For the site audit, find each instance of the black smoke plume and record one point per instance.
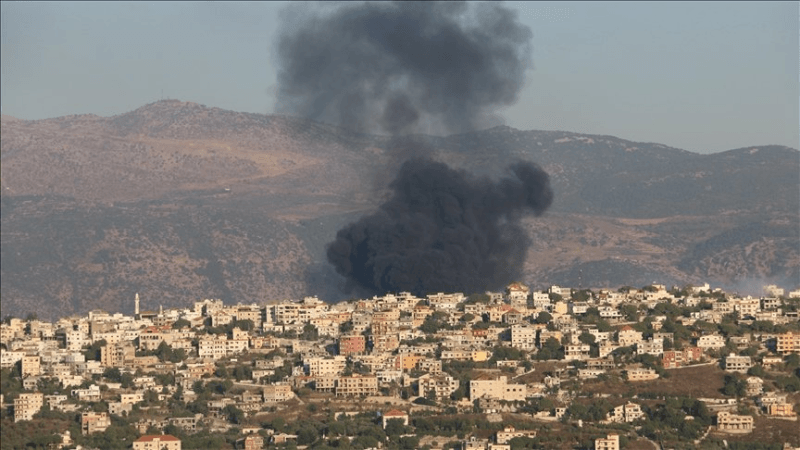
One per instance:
(442, 231)
(414, 67)
(401, 67)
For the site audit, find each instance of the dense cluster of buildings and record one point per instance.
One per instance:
(369, 346)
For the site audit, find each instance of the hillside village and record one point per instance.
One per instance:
(690, 367)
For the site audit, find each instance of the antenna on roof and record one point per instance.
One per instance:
(162, 94)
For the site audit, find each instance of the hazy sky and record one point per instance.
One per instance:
(705, 77)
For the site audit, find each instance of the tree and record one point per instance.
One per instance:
(112, 374)
(477, 298)
(310, 333)
(395, 427)
(181, 323)
(93, 352)
(630, 312)
(734, 386)
(551, 349)
(244, 325)
(233, 414)
(346, 327)
(543, 317)
(587, 338)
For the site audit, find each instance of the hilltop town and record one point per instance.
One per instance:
(690, 367)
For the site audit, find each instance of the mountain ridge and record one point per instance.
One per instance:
(188, 201)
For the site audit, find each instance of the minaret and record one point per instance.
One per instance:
(136, 305)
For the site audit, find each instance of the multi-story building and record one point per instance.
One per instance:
(357, 385)
(783, 409)
(788, 342)
(755, 386)
(326, 366)
(466, 354)
(117, 355)
(276, 393)
(629, 412)
(509, 432)
(610, 442)
(651, 346)
(747, 307)
(523, 337)
(441, 385)
(152, 337)
(131, 397)
(252, 313)
(384, 342)
(577, 352)
(212, 346)
(733, 423)
(710, 341)
(627, 336)
(94, 422)
(26, 405)
(352, 344)
(157, 442)
(735, 363)
(119, 408)
(252, 442)
(487, 386)
(443, 301)
(9, 358)
(75, 340)
(31, 366)
(92, 394)
(641, 374)
(678, 358)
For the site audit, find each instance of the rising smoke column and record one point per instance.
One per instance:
(401, 67)
(442, 231)
(406, 67)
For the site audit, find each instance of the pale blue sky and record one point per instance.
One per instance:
(702, 76)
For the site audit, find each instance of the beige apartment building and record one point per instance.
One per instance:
(787, 343)
(734, 423)
(277, 393)
(94, 422)
(641, 374)
(735, 363)
(780, 410)
(509, 432)
(441, 385)
(523, 337)
(357, 385)
(320, 367)
(31, 366)
(486, 386)
(157, 442)
(117, 355)
(629, 412)
(610, 442)
(212, 346)
(627, 336)
(26, 405)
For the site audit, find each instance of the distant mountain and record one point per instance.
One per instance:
(178, 201)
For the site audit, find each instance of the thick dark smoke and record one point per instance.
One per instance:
(402, 67)
(432, 67)
(442, 231)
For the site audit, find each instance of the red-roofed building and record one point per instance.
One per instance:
(394, 414)
(157, 442)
